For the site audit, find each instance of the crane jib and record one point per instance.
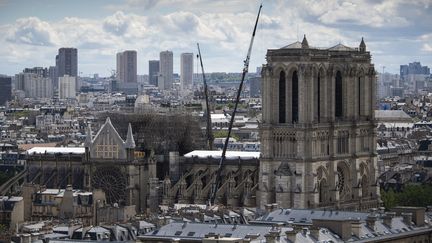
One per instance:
(245, 70)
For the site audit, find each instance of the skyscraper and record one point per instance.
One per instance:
(166, 69)
(153, 72)
(5, 89)
(186, 69)
(67, 62)
(127, 67)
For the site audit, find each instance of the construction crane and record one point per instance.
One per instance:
(210, 137)
(245, 71)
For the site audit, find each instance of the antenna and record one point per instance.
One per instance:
(245, 71)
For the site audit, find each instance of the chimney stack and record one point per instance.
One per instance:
(370, 221)
(291, 235)
(407, 218)
(387, 218)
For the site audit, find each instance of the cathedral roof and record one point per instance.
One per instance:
(216, 154)
(107, 126)
(340, 47)
(295, 45)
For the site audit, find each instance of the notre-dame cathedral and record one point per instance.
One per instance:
(318, 147)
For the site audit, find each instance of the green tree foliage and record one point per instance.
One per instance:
(224, 134)
(389, 198)
(412, 195)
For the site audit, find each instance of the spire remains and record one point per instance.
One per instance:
(305, 43)
(130, 142)
(362, 47)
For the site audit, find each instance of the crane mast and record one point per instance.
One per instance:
(210, 137)
(245, 71)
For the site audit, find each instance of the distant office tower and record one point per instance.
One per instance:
(186, 69)
(52, 74)
(67, 62)
(255, 86)
(37, 70)
(413, 68)
(67, 87)
(5, 89)
(19, 81)
(166, 69)
(127, 67)
(153, 72)
(34, 85)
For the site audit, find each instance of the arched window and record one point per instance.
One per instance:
(323, 190)
(282, 97)
(338, 95)
(295, 97)
(359, 100)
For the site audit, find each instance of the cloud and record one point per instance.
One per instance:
(223, 30)
(117, 23)
(427, 47)
(134, 4)
(32, 31)
(355, 12)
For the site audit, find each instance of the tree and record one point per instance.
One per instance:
(389, 199)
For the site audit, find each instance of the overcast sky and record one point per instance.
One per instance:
(395, 31)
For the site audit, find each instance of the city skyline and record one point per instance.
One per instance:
(395, 32)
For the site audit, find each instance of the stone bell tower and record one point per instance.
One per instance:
(318, 139)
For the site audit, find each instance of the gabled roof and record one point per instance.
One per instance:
(295, 45)
(340, 47)
(106, 126)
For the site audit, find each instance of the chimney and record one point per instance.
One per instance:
(291, 235)
(356, 227)
(418, 214)
(387, 218)
(407, 218)
(268, 208)
(314, 232)
(341, 227)
(270, 238)
(370, 221)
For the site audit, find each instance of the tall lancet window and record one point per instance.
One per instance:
(282, 97)
(295, 97)
(318, 97)
(338, 95)
(360, 97)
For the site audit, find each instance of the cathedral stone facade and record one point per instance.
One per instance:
(318, 145)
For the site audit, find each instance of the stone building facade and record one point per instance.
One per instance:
(106, 162)
(318, 143)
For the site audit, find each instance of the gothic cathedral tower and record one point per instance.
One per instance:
(318, 139)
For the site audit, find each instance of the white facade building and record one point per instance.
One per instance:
(67, 87)
(36, 86)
